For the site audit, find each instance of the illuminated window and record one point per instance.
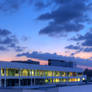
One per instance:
(63, 80)
(24, 72)
(57, 73)
(50, 73)
(73, 80)
(54, 73)
(2, 72)
(41, 73)
(57, 80)
(33, 73)
(54, 80)
(46, 80)
(36, 72)
(63, 74)
(70, 74)
(46, 73)
(78, 79)
(70, 80)
(83, 78)
(51, 80)
(12, 72)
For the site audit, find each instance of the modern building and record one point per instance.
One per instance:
(27, 62)
(25, 75)
(62, 63)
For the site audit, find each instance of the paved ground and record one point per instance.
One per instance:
(82, 88)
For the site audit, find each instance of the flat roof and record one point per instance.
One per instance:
(39, 67)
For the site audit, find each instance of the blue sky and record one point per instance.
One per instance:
(49, 26)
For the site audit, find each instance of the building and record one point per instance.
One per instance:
(24, 75)
(62, 63)
(27, 62)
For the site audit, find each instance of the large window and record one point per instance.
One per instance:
(80, 74)
(40, 73)
(12, 72)
(74, 74)
(2, 72)
(25, 72)
(63, 74)
(56, 73)
(50, 73)
(63, 80)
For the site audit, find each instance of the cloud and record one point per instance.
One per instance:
(7, 38)
(40, 5)
(42, 56)
(78, 49)
(85, 40)
(8, 41)
(72, 47)
(68, 17)
(88, 50)
(2, 48)
(15, 5)
(19, 48)
(46, 56)
(10, 5)
(4, 32)
(84, 43)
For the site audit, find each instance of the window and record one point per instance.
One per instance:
(12, 72)
(50, 73)
(2, 72)
(80, 74)
(70, 74)
(63, 74)
(25, 72)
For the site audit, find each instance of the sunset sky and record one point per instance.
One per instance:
(43, 29)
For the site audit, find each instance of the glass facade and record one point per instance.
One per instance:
(24, 72)
(46, 73)
(12, 72)
(61, 80)
(2, 72)
(41, 76)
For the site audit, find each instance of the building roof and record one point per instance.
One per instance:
(39, 67)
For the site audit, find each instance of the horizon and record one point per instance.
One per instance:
(46, 29)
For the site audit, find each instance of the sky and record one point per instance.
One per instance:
(46, 29)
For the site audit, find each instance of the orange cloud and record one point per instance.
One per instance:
(84, 55)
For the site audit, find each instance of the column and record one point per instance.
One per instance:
(5, 78)
(34, 81)
(19, 78)
(4, 83)
(0, 82)
(19, 83)
(31, 81)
